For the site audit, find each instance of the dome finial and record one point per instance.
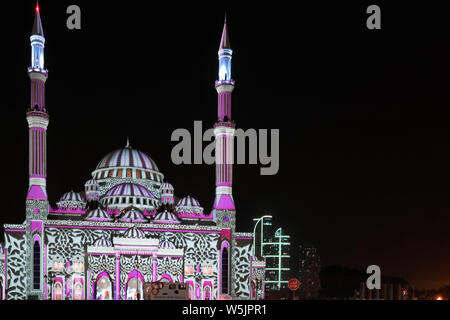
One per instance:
(128, 143)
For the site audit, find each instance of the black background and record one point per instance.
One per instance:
(363, 118)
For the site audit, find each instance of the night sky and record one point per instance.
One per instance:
(363, 115)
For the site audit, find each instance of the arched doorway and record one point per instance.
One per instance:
(78, 291)
(58, 291)
(135, 286)
(207, 293)
(103, 287)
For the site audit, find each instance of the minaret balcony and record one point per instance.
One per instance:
(221, 82)
(43, 71)
(221, 123)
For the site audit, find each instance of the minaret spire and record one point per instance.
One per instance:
(37, 25)
(225, 40)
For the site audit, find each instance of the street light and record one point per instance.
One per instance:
(254, 231)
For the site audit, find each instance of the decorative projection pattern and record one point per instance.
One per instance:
(129, 263)
(16, 260)
(66, 243)
(36, 209)
(171, 266)
(199, 249)
(100, 263)
(241, 258)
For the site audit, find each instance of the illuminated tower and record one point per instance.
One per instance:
(37, 200)
(37, 116)
(223, 208)
(224, 128)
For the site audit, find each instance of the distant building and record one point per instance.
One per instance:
(274, 246)
(309, 269)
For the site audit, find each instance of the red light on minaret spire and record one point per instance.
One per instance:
(37, 7)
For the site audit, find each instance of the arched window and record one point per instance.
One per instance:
(191, 292)
(58, 291)
(129, 173)
(36, 265)
(78, 291)
(103, 287)
(224, 283)
(207, 294)
(134, 289)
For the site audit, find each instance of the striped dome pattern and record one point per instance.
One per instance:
(134, 232)
(166, 186)
(71, 200)
(129, 189)
(188, 201)
(127, 157)
(132, 215)
(166, 217)
(103, 243)
(98, 215)
(71, 196)
(91, 182)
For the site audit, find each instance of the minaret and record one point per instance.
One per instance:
(37, 201)
(224, 211)
(224, 130)
(37, 116)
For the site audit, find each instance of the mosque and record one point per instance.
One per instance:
(127, 228)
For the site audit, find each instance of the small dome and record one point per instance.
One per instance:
(189, 205)
(98, 215)
(167, 193)
(71, 200)
(91, 182)
(166, 217)
(188, 201)
(134, 232)
(132, 215)
(103, 243)
(166, 244)
(91, 189)
(166, 186)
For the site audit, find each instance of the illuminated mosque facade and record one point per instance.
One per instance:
(126, 228)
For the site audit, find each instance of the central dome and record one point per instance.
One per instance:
(127, 165)
(127, 157)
